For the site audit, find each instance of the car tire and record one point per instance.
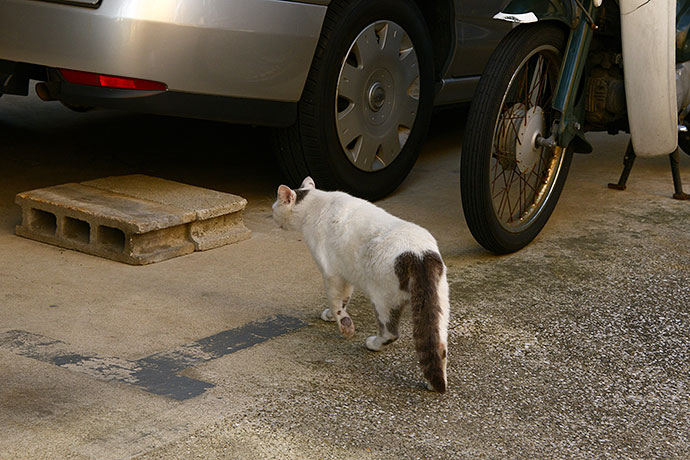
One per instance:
(367, 102)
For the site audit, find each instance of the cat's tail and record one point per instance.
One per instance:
(425, 277)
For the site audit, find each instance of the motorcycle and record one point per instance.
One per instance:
(566, 68)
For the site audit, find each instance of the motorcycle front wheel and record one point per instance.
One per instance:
(509, 183)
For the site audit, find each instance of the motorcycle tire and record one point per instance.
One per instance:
(367, 102)
(509, 184)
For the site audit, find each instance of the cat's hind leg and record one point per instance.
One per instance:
(326, 315)
(388, 320)
(338, 292)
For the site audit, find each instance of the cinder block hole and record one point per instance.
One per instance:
(113, 238)
(43, 222)
(77, 230)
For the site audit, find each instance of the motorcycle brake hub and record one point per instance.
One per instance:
(508, 130)
(527, 152)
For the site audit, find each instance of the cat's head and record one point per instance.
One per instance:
(284, 208)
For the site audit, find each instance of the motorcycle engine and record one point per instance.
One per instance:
(605, 92)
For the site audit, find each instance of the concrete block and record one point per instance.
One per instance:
(218, 218)
(203, 202)
(133, 219)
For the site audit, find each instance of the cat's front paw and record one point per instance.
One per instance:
(326, 315)
(347, 327)
(372, 343)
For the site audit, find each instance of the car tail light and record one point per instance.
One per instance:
(110, 81)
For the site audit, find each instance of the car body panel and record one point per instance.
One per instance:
(88, 3)
(238, 51)
(524, 11)
(478, 35)
(228, 48)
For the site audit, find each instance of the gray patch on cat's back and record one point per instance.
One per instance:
(402, 269)
(301, 193)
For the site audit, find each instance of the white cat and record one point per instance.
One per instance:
(395, 263)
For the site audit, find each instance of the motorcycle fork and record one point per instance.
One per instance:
(566, 100)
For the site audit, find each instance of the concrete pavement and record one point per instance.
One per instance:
(577, 347)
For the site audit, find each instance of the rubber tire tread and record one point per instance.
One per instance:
(474, 174)
(293, 140)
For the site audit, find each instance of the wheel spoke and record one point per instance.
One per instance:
(536, 83)
(522, 88)
(364, 153)
(515, 183)
(515, 130)
(542, 89)
(494, 175)
(524, 178)
(508, 184)
(391, 36)
(350, 83)
(390, 147)
(498, 191)
(349, 124)
(409, 67)
(367, 48)
(504, 197)
(512, 210)
(537, 171)
(523, 202)
(408, 111)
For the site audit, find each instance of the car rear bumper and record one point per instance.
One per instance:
(249, 49)
(259, 112)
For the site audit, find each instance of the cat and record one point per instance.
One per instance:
(394, 262)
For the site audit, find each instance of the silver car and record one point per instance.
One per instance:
(349, 85)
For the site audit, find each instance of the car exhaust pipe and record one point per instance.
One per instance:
(46, 91)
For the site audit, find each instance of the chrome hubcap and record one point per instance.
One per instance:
(377, 96)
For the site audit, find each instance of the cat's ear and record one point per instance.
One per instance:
(308, 182)
(286, 195)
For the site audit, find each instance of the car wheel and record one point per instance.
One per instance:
(367, 102)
